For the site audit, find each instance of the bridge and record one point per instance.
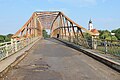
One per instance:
(66, 55)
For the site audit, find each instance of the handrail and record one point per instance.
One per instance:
(13, 46)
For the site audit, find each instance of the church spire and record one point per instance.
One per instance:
(90, 25)
(90, 21)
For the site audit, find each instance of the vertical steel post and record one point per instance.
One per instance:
(35, 25)
(64, 26)
(6, 48)
(16, 45)
(12, 45)
(77, 35)
(106, 50)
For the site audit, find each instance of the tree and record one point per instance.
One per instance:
(2, 38)
(117, 33)
(114, 38)
(87, 36)
(10, 36)
(5, 38)
(45, 35)
(105, 34)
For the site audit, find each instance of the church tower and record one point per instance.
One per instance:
(90, 25)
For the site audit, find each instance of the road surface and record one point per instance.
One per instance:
(53, 60)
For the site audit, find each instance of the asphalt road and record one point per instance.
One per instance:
(52, 60)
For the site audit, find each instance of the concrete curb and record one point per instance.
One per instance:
(106, 61)
(17, 60)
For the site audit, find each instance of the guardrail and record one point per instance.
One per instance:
(76, 40)
(108, 46)
(9, 48)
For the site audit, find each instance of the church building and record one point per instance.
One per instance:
(93, 30)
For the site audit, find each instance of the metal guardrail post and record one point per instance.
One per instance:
(6, 49)
(94, 42)
(16, 45)
(105, 43)
(12, 45)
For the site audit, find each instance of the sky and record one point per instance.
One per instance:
(105, 14)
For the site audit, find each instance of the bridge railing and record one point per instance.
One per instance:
(79, 40)
(107, 46)
(104, 46)
(11, 47)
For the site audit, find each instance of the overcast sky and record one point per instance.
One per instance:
(105, 14)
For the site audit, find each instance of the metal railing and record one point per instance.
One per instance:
(108, 46)
(9, 48)
(105, 46)
(79, 41)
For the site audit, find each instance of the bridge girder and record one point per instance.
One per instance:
(56, 21)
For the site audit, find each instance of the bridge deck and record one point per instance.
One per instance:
(52, 60)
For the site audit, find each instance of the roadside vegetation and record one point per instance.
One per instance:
(111, 38)
(45, 34)
(5, 38)
(105, 34)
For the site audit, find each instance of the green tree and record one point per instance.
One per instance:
(9, 36)
(45, 35)
(5, 38)
(87, 36)
(104, 34)
(2, 38)
(114, 38)
(117, 33)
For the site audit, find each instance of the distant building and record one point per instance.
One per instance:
(90, 28)
(90, 25)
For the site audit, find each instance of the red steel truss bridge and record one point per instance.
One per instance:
(66, 55)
